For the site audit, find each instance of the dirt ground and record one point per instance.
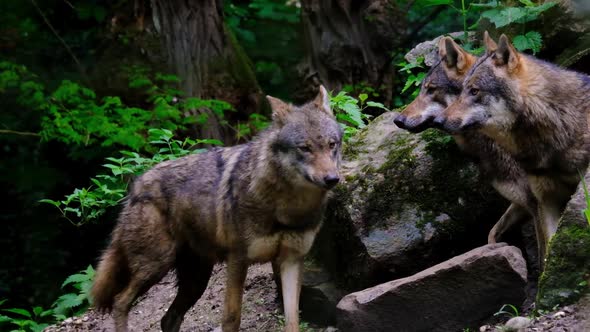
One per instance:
(260, 311)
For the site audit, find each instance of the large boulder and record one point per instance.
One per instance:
(450, 296)
(409, 201)
(567, 270)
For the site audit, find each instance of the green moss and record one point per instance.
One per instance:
(567, 269)
(437, 142)
(435, 192)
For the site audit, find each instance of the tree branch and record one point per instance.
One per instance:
(63, 42)
(21, 133)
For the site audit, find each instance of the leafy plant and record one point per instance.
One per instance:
(415, 72)
(349, 111)
(74, 114)
(502, 15)
(88, 204)
(586, 211)
(34, 320)
(77, 302)
(508, 309)
(69, 304)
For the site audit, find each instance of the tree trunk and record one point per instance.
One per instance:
(349, 42)
(204, 54)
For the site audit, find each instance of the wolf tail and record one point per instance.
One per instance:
(112, 276)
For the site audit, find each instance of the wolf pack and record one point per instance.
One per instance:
(523, 120)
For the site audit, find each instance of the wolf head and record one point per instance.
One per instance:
(308, 141)
(491, 91)
(441, 86)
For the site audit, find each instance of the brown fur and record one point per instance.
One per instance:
(256, 202)
(537, 112)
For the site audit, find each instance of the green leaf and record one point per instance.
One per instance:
(69, 300)
(501, 17)
(75, 278)
(19, 311)
(377, 105)
(49, 201)
(532, 40)
(426, 3)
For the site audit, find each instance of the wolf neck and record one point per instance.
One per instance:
(552, 111)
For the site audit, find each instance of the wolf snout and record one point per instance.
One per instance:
(331, 180)
(400, 121)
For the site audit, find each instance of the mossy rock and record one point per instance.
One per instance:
(567, 271)
(409, 201)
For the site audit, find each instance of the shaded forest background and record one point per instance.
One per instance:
(198, 68)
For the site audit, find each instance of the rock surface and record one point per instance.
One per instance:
(447, 297)
(409, 201)
(567, 272)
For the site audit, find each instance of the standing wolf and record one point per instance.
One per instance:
(537, 112)
(257, 202)
(441, 87)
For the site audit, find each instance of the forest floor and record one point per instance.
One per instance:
(261, 310)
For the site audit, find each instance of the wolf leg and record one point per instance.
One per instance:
(291, 268)
(513, 215)
(549, 215)
(236, 275)
(149, 252)
(192, 273)
(138, 284)
(276, 275)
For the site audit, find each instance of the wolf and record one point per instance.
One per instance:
(257, 202)
(441, 87)
(535, 111)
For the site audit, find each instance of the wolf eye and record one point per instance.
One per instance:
(332, 145)
(304, 148)
(473, 91)
(430, 90)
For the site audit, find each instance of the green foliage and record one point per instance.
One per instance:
(23, 320)
(69, 304)
(269, 32)
(508, 309)
(532, 40)
(349, 111)
(502, 15)
(586, 211)
(415, 73)
(108, 190)
(77, 302)
(74, 115)
(256, 123)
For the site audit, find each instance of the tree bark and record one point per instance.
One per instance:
(204, 54)
(349, 42)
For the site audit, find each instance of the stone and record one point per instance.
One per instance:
(407, 202)
(517, 324)
(454, 294)
(567, 267)
(429, 49)
(319, 296)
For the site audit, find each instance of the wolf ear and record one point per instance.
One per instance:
(322, 101)
(506, 54)
(280, 110)
(490, 44)
(455, 57)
